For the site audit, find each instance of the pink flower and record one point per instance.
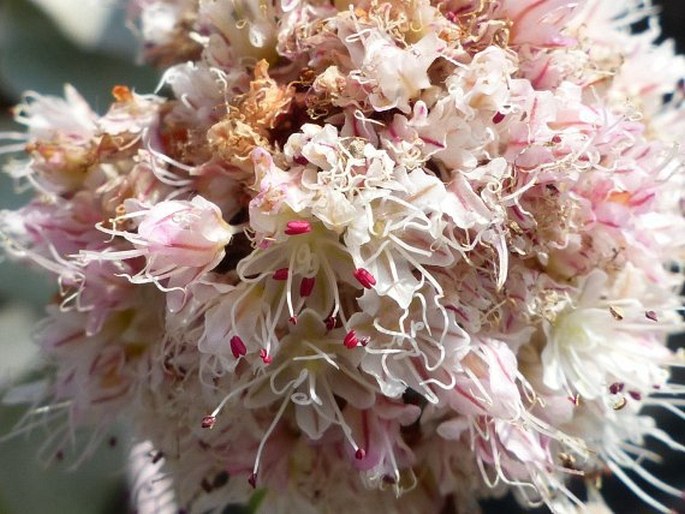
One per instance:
(180, 233)
(180, 240)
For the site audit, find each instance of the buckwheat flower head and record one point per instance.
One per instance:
(373, 256)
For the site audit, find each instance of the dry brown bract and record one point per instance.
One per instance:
(249, 120)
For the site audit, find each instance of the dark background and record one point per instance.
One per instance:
(673, 21)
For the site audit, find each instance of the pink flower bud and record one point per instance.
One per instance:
(182, 233)
(616, 387)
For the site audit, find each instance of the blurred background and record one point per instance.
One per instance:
(43, 45)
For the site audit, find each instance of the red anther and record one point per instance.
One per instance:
(497, 118)
(364, 341)
(360, 454)
(252, 480)
(620, 404)
(615, 313)
(351, 340)
(365, 278)
(299, 159)
(206, 486)
(266, 358)
(616, 387)
(238, 347)
(292, 320)
(208, 422)
(635, 395)
(651, 315)
(556, 139)
(330, 323)
(306, 286)
(294, 228)
(280, 274)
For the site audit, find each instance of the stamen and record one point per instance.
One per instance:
(266, 358)
(365, 278)
(253, 477)
(208, 422)
(306, 286)
(497, 118)
(360, 454)
(616, 387)
(618, 316)
(238, 347)
(651, 315)
(351, 340)
(637, 490)
(294, 228)
(280, 274)
(620, 403)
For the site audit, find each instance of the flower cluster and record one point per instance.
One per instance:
(372, 256)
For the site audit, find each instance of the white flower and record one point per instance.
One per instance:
(396, 75)
(596, 342)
